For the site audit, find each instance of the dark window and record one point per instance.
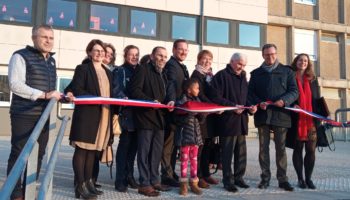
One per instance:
(16, 10)
(249, 35)
(4, 90)
(104, 18)
(184, 28)
(61, 13)
(217, 32)
(143, 23)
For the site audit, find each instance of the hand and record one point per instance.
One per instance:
(53, 94)
(263, 105)
(279, 103)
(253, 109)
(125, 98)
(70, 97)
(171, 103)
(238, 111)
(220, 112)
(296, 106)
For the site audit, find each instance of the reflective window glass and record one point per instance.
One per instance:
(184, 28)
(61, 13)
(143, 23)
(4, 90)
(305, 41)
(16, 10)
(63, 82)
(217, 32)
(310, 2)
(104, 18)
(249, 35)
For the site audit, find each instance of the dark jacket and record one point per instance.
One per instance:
(292, 133)
(272, 86)
(86, 118)
(230, 90)
(148, 84)
(41, 75)
(188, 130)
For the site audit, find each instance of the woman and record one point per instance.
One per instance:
(303, 131)
(109, 59)
(91, 124)
(204, 75)
(127, 147)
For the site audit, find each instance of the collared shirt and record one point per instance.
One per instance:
(17, 79)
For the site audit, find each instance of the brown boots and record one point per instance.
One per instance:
(193, 185)
(183, 187)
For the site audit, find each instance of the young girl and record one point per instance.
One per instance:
(188, 137)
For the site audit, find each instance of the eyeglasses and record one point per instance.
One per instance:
(269, 54)
(98, 51)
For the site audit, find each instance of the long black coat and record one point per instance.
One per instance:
(148, 84)
(86, 118)
(272, 86)
(293, 131)
(230, 90)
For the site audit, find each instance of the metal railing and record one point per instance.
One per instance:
(341, 130)
(29, 158)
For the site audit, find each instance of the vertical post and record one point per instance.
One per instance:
(30, 179)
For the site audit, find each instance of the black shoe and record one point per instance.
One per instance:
(241, 184)
(97, 185)
(230, 188)
(170, 182)
(162, 188)
(120, 187)
(301, 184)
(132, 183)
(263, 184)
(82, 190)
(310, 184)
(176, 177)
(286, 186)
(91, 187)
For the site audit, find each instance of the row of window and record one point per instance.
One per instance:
(123, 20)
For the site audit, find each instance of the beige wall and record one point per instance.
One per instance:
(347, 10)
(329, 11)
(278, 36)
(348, 60)
(277, 7)
(303, 11)
(329, 60)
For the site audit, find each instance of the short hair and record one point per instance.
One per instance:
(203, 53)
(188, 84)
(43, 26)
(155, 49)
(128, 48)
(238, 56)
(267, 46)
(176, 42)
(92, 43)
(309, 72)
(145, 59)
(109, 45)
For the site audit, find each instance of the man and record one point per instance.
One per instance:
(149, 83)
(32, 80)
(176, 73)
(272, 86)
(230, 88)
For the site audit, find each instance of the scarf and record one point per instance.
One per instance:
(269, 68)
(202, 70)
(305, 122)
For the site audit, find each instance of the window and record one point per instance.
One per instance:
(62, 83)
(104, 18)
(184, 28)
(16, 10)
(329, 38)
(217, 32)
(309, 2)
(4, 91)
(61, 13)
(305, 42)
(143, 23)
(249, 35)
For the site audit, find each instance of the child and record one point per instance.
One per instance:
(188, 137)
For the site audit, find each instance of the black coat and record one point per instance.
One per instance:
(272, 86)
(86, 118)
(230, 90)
(148, 84)
(292, 133)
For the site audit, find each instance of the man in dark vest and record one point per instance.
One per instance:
(32, 80)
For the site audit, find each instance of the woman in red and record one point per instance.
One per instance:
(303, 131)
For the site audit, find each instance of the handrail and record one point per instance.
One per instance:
(52, 162)
(22, 159)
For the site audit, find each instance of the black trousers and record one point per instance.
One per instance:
(203, 159)
(21, 129)
(149, 153)
(264, 152)
(125, 157)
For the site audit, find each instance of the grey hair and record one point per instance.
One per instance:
(43, 26)
(238, 56)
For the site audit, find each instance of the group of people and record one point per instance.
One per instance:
(157, 135)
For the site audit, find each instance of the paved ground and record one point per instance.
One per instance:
(331, 176)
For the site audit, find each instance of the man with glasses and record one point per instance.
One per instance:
(272, 86)
(176, 73)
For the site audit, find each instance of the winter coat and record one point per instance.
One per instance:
(265, 86)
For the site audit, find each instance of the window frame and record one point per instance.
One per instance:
(119, 7)
(128, 26)
(230, 31)
(261, 35)
(197, 30)
(31, 23)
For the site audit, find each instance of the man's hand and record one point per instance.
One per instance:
(279, 103)
(53, 94)
(238, 111)
(70, 97)
(171, 103)
(263, 105)
(253, 109)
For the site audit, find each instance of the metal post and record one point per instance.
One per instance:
(32, 173)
